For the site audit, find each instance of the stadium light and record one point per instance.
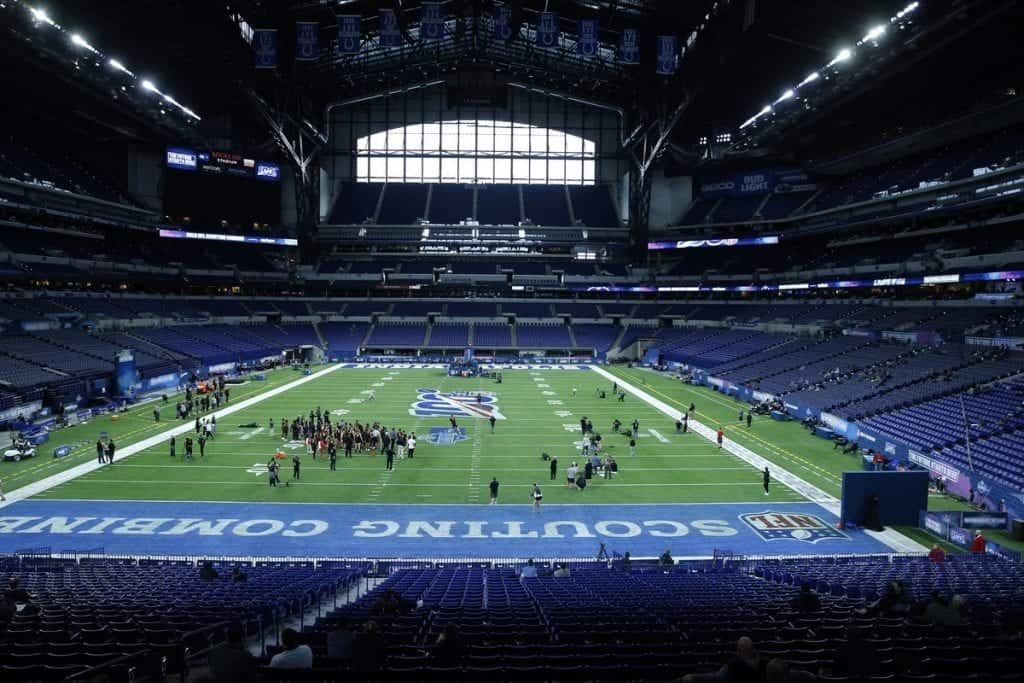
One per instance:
(81, 42)
(874, 34)
(788, 95)
(115, 64)
(811, 77)
(41, 16)
(907, 10)
(767, 109)
(148, 86)
(844, 55)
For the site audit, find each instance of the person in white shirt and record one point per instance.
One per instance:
(529, 571)
(294, 656)
(570, 475)
(412, 445)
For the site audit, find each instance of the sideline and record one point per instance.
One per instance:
(85, 468)
(895, 540)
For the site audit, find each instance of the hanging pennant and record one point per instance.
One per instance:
(350, 33)
(264, 48)
(432, 21)
(629, 46)
(390, 34)
(307, 41)
(586, 40)
(547, 30)
(668, 51)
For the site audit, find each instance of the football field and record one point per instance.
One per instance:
(680, 490)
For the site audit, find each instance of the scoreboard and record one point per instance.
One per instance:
(221, 163)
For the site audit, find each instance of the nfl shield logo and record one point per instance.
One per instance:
(791, 526)
(435, 403)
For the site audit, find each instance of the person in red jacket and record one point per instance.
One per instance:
(978, 544)
(721, 434)
(937, 554)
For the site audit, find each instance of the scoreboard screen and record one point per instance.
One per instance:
(209, 187)
(221, 163)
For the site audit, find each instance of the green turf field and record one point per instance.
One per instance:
(542, 415)
(669, 467)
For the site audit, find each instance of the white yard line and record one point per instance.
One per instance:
(307, 502)
(893, 539)
(474, 463)
(657, 435)
(388, 483)
(85, 468)
(352, 468)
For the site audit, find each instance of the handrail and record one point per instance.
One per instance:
(134, 657)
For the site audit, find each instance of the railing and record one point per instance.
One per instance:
(138, 666)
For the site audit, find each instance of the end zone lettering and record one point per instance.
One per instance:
(162, 526)
(658, 528)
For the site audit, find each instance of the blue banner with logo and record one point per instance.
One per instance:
(502, 22)
(126, 373)
(432, 22)
(586, 42)
(668, 50)
(629, 46)
(307, 41)
(350, 33)
(547, 30)
(264, 48)
(390, 34)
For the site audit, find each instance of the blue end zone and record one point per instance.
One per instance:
(413, 531)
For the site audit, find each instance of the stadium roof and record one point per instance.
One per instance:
(748, 52)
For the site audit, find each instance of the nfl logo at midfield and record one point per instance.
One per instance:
(791, 526)
(435, 403)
